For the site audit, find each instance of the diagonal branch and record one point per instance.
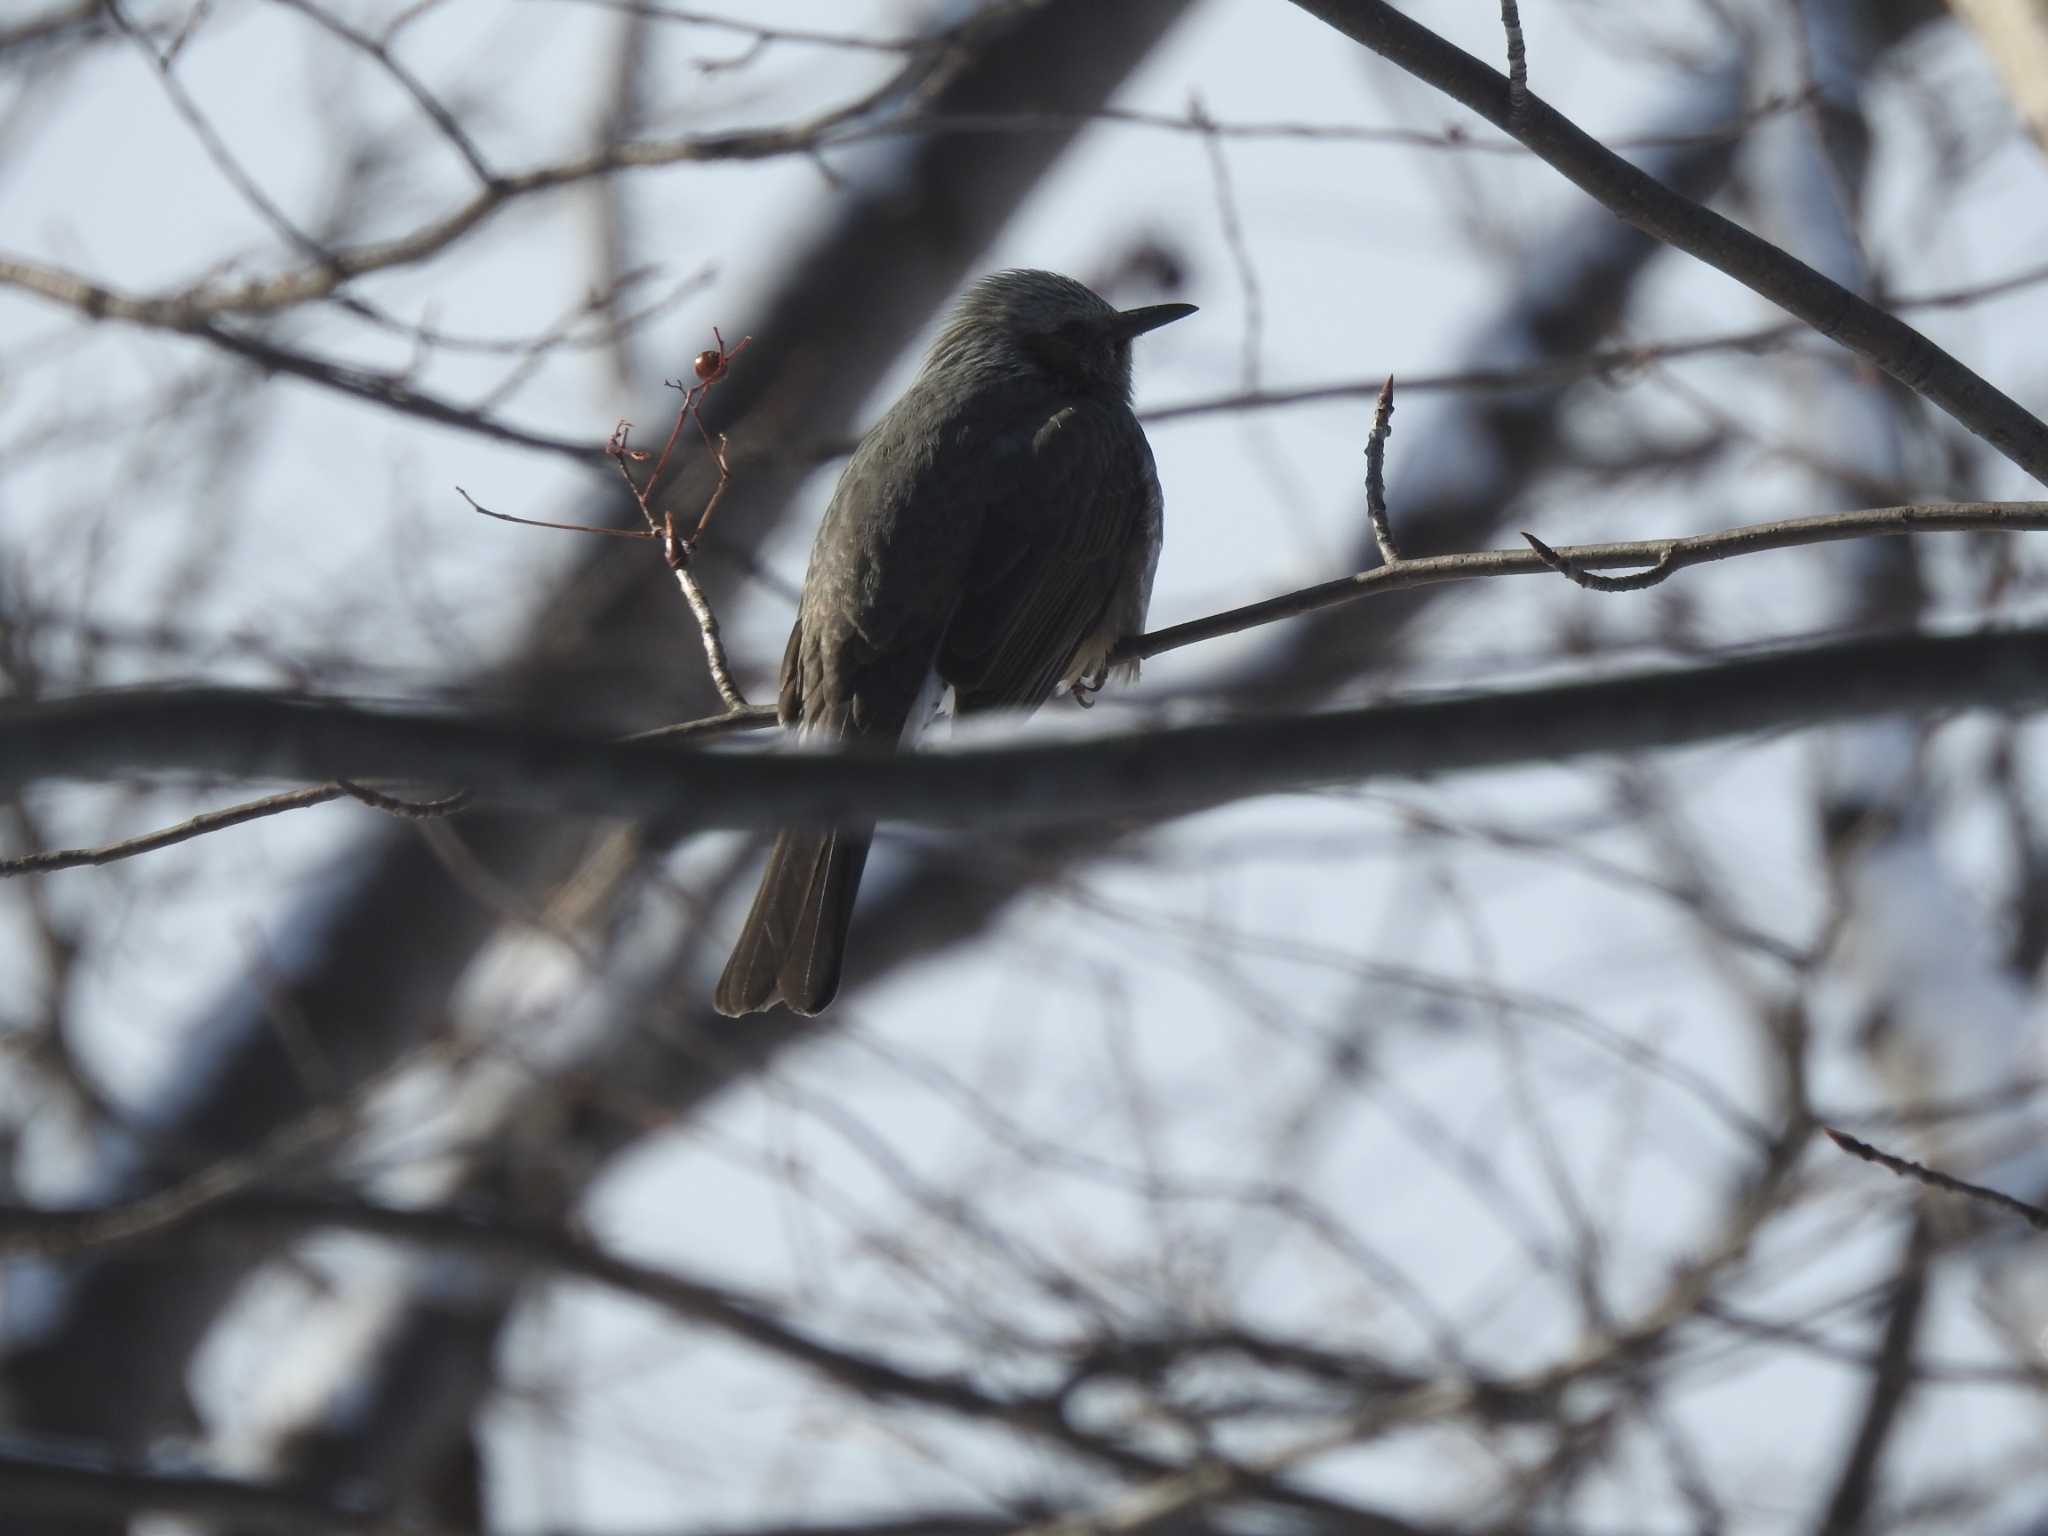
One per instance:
(1881, 339)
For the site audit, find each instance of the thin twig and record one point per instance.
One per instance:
(190, 309)
(718, 490)
(747, 717)
(430, 104)
(535, 522)
(711, 367)
(1235, 242)
(165, 837)
(1666, 555)
(1612, 363)
(380, 388)
(1375, 474)
(2033, 1215)
(230, 816)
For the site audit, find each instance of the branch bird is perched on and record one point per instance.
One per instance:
(997, 532)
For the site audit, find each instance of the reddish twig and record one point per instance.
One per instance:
(711, 367)
(534, 522)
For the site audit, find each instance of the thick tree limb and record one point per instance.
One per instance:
(263, 735)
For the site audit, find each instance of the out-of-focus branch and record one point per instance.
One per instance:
(1831, 309)
(61, 1485)
(1893, 1379)
(79, 16)
(260, 735)
(1557, 372)
(388, 390)
(190, 311)
(54, 859)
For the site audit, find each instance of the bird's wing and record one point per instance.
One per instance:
(885, 573)
(1054, 548)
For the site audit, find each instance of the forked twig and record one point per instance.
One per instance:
(710, 366)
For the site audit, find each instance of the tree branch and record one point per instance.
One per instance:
(1881, 339)
(2033, 1215)
(1663, 557)
(48, 1485)
(1659, 557)
(116, 736)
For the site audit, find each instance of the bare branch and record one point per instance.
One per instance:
(190, 311)
(1376, 474)
(407, 81)
(751, 717)
(165, 837)
(79, 16)
(221, 820)
(1618, 361)
(63, 1484)
(856, 42)
(714, 643)
(1827, 306)
(2033, 1215)
(122, 734)
(381, 388)
(1664, 556)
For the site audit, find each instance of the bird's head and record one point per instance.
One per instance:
(1050, 325)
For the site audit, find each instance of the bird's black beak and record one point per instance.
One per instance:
(1136, 322)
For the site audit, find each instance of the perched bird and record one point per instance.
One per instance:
(996, 531)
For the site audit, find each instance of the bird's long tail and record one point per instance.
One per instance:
(794, 940)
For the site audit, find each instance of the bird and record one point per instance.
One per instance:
(995, 533)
